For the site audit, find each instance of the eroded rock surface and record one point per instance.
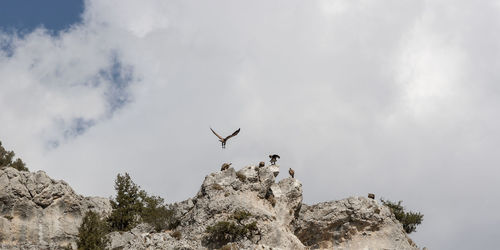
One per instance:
(272, 206)
(283, 221)
(352, 223)
(37, 212)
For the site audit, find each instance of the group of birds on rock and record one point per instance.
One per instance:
(273, 157)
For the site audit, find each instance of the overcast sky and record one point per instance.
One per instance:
(399, 98)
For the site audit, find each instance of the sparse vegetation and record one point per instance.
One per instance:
(410, 220)
(156, 213)
(133, 205)
(7, 157)
(8, 217)
(271, 200)
(241, 215)
(224, 232)
(231, 246)
(217, 186)
(92, 232)
(176, 234)
(241, 176)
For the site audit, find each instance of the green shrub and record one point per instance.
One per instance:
(224, 232)
(156, 213)
(133, 205)
(92, 232)
(410, 220)
(240, 215)
(6, 158)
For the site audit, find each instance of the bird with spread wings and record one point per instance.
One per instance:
(224, 140)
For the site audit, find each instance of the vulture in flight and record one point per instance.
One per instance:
(224, 140)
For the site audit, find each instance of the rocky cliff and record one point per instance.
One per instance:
(39, 212)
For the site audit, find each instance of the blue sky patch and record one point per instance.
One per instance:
(27, 15)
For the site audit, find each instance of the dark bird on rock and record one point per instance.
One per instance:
(224, 140)
(225, 166)
(291, 172)
(371, 196)
(274, 159)
(262, 164)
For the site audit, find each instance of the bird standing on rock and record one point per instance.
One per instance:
(291, 172)
(274, 159)
(222, 139)
(225, 166)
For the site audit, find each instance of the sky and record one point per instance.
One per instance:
(396, 97)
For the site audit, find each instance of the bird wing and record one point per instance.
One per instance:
(220, 137)
(234, 134)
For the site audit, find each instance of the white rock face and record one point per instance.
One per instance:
(37, 212)
(352, 223)
(282, 220)
(222, 194)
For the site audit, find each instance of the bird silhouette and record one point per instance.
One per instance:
(274, 159)
(291, 172)
(224, 140)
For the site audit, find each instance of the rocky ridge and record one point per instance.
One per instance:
(37, 212)
(275, 216)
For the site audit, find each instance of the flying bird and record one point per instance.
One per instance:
(291, 172)
(224, 140)
(274, 159)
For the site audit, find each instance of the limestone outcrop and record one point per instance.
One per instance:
(282, 220)
(37, 212)
(352, 223)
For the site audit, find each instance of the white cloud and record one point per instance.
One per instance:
(397, 98)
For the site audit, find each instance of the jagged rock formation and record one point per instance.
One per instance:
(48, 212)
(37, 212)
(352, 223)
(282, 220)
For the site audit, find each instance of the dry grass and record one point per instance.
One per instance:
(177, 235)
(241, 176)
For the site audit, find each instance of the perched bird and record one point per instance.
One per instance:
(223, 140)
(291, 172)
(371, 196)
(262, 164)
(225, 166)
(273, 158)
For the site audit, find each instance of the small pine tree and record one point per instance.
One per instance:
(92, 232)
(410, 220)
(6, 158)
(156, 213)
(127, 204)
